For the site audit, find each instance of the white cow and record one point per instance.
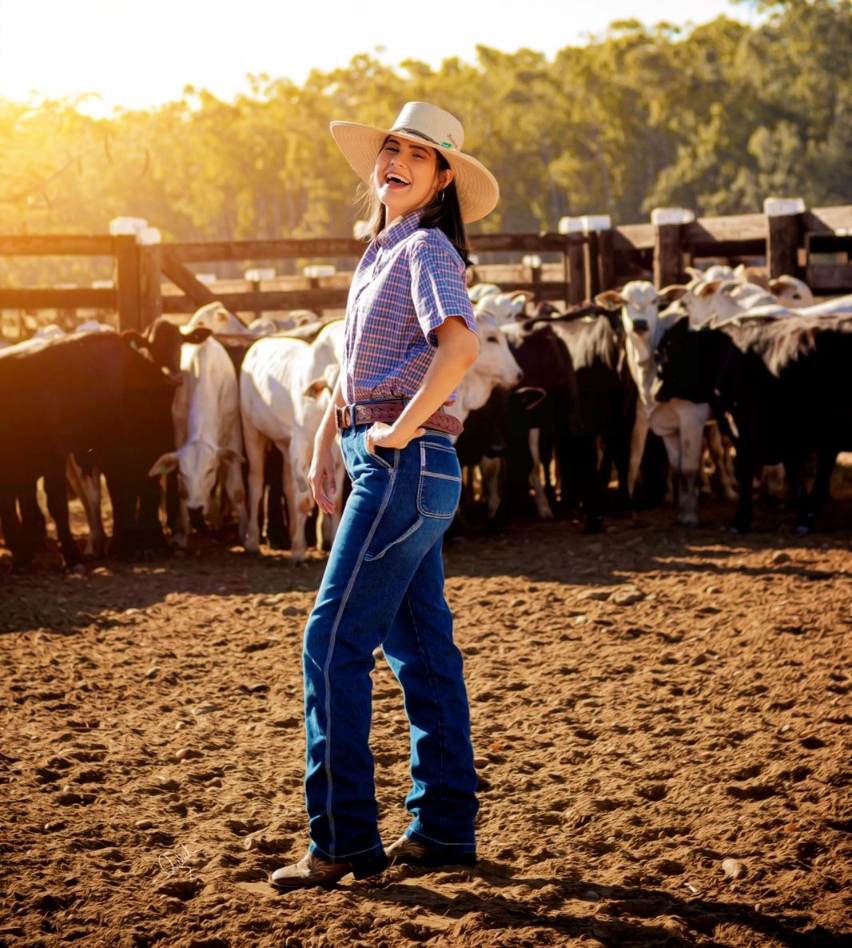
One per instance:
(680, 423)
(480, 290)
(495, 367)
(503, 307)
(216, 317)
(714, 300)
(285, 387)
(208, 439)
(269, 325)
(787, 290)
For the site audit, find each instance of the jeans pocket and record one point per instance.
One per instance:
(386, 457)
(439, 489)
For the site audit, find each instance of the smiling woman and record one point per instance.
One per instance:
(138, 55)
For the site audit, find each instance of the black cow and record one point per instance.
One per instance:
(543, 410)
(607, 410)
(92, 396)
(781, 389)
(162, 341)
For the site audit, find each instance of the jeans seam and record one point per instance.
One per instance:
(330, 651)
(440, 722)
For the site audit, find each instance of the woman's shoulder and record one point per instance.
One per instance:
(433, 242)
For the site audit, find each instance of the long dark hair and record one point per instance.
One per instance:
(443, 212)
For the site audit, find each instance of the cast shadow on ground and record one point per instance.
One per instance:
(627, 917)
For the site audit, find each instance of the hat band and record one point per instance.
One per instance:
(417, 133)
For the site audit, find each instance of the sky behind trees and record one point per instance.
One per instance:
(142, 53)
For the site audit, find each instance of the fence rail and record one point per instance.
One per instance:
(152, 279)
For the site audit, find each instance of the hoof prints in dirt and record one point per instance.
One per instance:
(660, 725)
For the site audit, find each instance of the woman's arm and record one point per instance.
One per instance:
(321, 473)
(457, 350)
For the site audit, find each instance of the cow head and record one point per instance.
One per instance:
(504, 307)
(217, 318)
(640, 303)
(162, 340)
(197, 463)
(495, 367)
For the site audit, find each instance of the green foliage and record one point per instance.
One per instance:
(715, 118)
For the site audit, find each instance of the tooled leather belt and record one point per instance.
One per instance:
(388, 411)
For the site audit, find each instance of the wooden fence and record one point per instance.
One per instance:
(152, 279)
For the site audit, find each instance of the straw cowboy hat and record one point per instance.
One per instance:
(424, 124)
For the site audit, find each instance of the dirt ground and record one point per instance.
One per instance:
(661, 719)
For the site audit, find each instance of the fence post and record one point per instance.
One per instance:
(126, 252)
(150, 276)
(668, 244)
(576, 268)
(595, 227)
(783, 230)
(606, 260)
(575, 274)
(254, 276)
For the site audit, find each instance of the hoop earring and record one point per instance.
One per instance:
(441, 196)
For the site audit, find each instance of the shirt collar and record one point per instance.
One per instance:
(399, 230)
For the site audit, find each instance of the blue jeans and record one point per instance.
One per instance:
(383, 585)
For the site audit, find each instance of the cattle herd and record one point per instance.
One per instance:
(209, 427)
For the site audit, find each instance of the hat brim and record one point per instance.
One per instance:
(476, 187)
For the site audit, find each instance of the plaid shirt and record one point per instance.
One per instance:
(408, 282)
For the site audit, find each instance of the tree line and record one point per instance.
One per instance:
(714, 118)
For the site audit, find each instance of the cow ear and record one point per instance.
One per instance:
(164, 465)
(672, 292)
(196, 336)
(134, 339)
(315, 388)
(709, 288)
(610, 299)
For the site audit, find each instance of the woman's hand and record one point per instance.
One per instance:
(321, 477)
(380, 435)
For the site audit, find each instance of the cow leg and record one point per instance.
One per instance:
(277, 532)
(145, 537)
(182, 526)
(539, 477)
(33, 524)
(638, 437)
(672, 444)
(746, 466)
(255, 446)
(134, 500)
(14, 535)
(492, 473)
(820, 492)
(172, 503)
(235, 493)
(691, 449)
(619, 444)
(87, 487)
(772, 486)
(584, 461)
(718, 455)
(298, 495)
(56, 489)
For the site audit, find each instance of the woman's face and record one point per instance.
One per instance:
(406, 176)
